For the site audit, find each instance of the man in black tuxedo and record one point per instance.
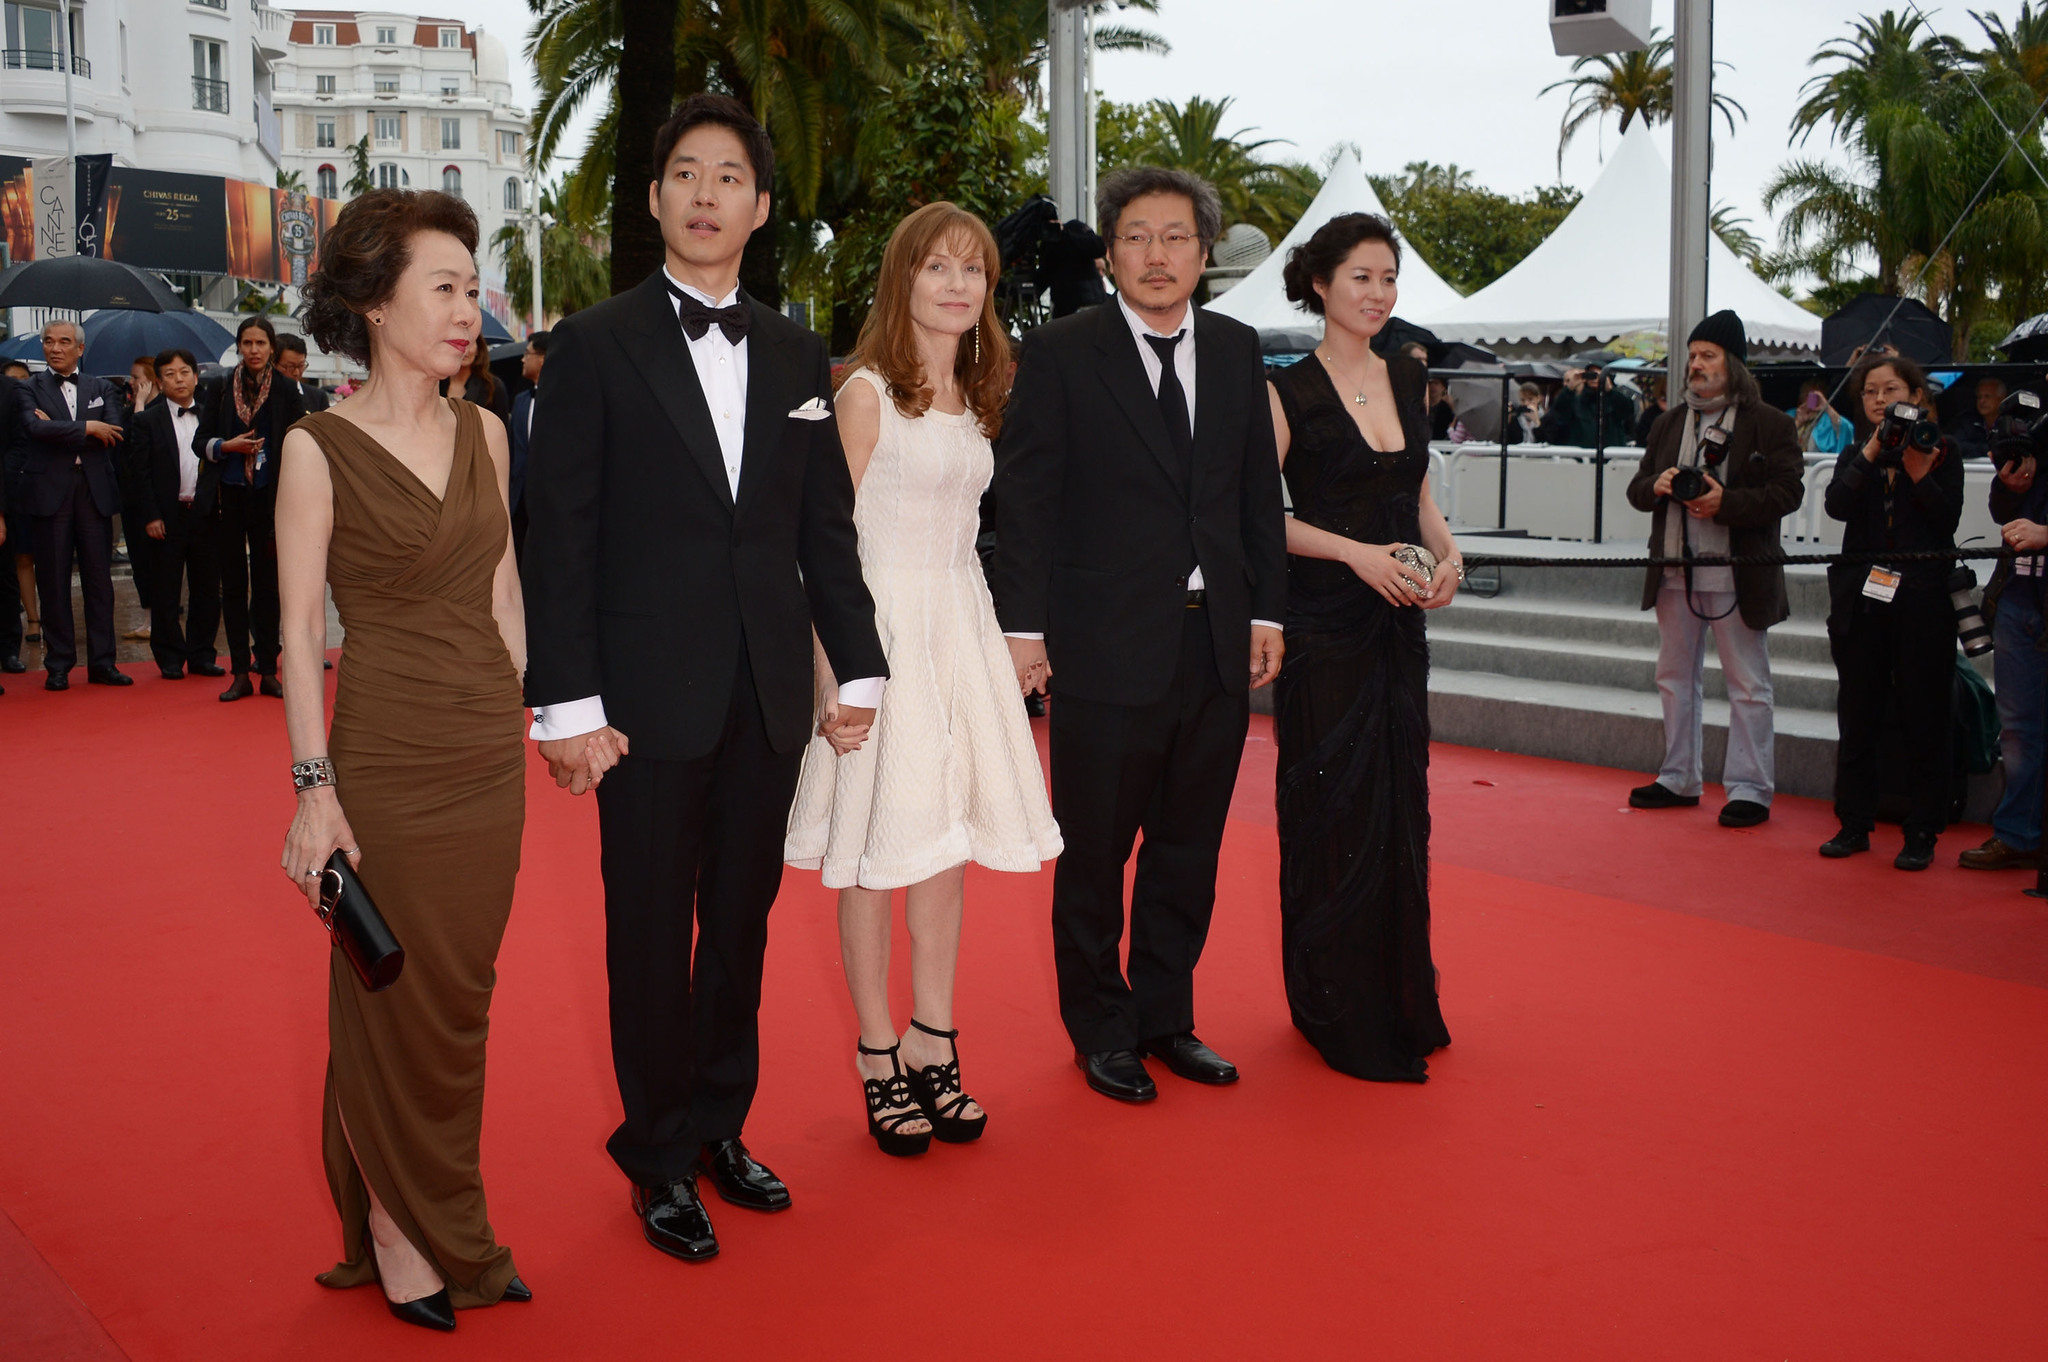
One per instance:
(174, 493)
(691, 522)
(1141, 554)
(244, 450)
(71, 491)
(521, 432)
(291, 364)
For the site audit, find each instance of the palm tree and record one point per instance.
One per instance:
(291, 181)
(359, 181)
(1884, 63)
(2022, 50)
(1632, 84)
(1736, 236)
(1271, 195)
(575, 265)
(1008, 40)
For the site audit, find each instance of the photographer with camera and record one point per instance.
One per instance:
(1719, 471)
(1891, 626)
(1593, 413)
(2014, 602)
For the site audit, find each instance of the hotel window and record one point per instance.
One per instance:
(450, 86)
(323, 132)
(451, 181)
(387, 175)
(385, 83)
(508, 146)
(34, 35)
(387, 37)
(451, 37)
(451, 134)
(323, 85)
(511, 196)
(209, 89)
(387, 127)
(326, 184)
(323, 35)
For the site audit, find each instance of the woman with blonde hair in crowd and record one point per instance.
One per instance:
(949, 773)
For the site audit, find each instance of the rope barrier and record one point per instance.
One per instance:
(1473, 560)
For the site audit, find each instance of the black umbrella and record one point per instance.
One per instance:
(2028, 342)
(1871, 319)
(84, 283)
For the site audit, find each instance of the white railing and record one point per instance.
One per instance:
(269, 130)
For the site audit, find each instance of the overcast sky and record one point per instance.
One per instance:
(1437, 80)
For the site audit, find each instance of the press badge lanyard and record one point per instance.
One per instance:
(1882, 585)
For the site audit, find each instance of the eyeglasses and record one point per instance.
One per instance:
(1142, 241)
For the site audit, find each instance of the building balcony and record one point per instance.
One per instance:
(36, 59)
(273, 32)
(269, 130)
(209, 96)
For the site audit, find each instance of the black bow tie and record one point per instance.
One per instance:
(698, 316)
(68, 378)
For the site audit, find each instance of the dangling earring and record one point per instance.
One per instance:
(977, 342)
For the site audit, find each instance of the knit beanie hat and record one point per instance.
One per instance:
(1724, 329)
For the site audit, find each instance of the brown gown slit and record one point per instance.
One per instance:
(429, 762)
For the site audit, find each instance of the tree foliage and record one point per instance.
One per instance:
(1470, 235)
(575, 267)
(1632, 85)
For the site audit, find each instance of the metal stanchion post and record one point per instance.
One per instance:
(1599, 460)
(1506, 415)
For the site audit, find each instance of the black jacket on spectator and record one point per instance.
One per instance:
(1972, 435)
(1574, 418)
(2007, 506)
(1762, 482)
(1914, 516)
(218, 420)
(152, 457)
(55, 442)
(1652, 413)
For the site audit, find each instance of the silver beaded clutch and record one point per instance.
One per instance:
(1420, 559)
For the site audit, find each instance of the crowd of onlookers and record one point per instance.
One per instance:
(169, 469)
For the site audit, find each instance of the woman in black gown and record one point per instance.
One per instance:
(1352, 704)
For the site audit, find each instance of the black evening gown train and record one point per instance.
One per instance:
(1352, 725)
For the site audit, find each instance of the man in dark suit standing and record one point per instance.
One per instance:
(521, 432)
(1141, 555)
(241, 427)
(691, 524)
(71, 490)
(175, 492)
(291, 364)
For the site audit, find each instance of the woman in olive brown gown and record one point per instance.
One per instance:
(396, 499)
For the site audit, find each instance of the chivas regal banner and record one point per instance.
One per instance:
(185, 224)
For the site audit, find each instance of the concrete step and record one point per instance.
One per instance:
(1591, 622)
(1805, 586)
(1620, 668)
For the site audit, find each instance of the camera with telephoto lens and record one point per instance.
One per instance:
(1690, 484)
(2016, 431)
(1905, 427)
(1971, 630)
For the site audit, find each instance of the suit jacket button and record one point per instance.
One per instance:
(1180, 581)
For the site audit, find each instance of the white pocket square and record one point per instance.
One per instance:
(97, 402)
(813, 410)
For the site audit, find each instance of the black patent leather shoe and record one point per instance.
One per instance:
(1190, 1058)
(1918, 853)
(1847, 842)
(269, 686)
(1657, 795)
(674, 1220)
(429, 1312)
(108, 676)
(1117, 1073)
(12, 664)
(171, 673)
(60, 679)
(205, 669)
(238, 689)
(516, 1291)
(740, 1178)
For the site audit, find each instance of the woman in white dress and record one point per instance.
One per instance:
(948, 773)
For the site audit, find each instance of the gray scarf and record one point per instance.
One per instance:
(1707, 406)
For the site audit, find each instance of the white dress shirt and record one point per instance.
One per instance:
(1184, 368)
(70, 391)
(722, 373)
(184, 426)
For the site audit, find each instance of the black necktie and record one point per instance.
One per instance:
(698, 316)
(1173, 401)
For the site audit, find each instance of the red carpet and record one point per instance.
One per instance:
(1710, 1098)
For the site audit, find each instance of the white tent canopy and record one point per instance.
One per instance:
(1606, 271)
(1260, 299)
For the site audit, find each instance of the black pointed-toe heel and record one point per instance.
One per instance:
(516, 1291)
(429, 1312)
(938, 1092)
(892, 1103)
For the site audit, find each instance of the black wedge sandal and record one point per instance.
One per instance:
(938, 1091)
(893, 1102)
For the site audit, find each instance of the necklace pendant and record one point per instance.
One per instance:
(1360, 399)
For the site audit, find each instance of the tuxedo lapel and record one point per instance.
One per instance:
(663, 360)
(1124, 373)
(769, 400)
(1211, 383)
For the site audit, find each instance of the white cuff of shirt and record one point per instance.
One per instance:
(1272, 624)
(862, 693)
(1035, 638)
(570, 719)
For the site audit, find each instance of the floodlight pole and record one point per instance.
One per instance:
(1070, 113)
(1692, 173)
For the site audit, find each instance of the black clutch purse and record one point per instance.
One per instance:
(358, 929)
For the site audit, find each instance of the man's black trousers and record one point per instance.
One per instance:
(78, 530)
(184, 558)
(245, 539)
(1166, 769)
(1904, 651)
(691, 842)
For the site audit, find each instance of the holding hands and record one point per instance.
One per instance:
(1027, 655)
(578, 764)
